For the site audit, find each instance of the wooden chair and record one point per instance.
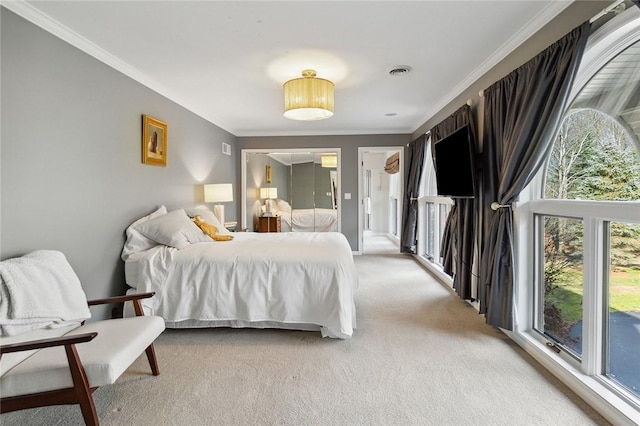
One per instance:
(47, 368)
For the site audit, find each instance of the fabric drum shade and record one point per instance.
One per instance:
(308, 98)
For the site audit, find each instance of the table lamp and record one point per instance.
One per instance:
(268, 194)
(218, 193)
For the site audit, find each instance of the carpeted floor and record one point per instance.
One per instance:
(419, 356)
(374, 243)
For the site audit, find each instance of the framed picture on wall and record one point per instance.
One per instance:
(154, 141)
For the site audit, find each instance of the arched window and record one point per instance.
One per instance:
(585, 220)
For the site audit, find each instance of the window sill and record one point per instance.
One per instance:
(602, 399)
(435, 270)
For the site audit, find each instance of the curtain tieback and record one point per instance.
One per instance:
(413, 199)
(496, 206)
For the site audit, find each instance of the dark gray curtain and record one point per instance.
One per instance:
(458, 241)
(522, 114)
(411, 193)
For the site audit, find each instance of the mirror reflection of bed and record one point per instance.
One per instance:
(300, 187)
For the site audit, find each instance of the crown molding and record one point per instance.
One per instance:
(44, 21)
(535, 24)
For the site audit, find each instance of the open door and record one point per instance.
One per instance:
(380, 189)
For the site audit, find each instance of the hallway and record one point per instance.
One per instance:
(378, 244)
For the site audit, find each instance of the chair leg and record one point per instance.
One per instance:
(153, 362)
(81, 386)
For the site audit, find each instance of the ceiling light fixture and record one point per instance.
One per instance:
(308, 98)
(329, 161)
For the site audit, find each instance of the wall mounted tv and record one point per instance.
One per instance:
(454, 162)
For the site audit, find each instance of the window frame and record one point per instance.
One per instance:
(428, 195)
(587, 378)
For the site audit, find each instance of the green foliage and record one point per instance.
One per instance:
(625, 246)
(612, 174)
(593, 159)
(560, 311)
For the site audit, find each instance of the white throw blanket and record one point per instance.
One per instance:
(39, 290)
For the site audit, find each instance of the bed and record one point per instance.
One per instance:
(305, 220)
(309, 220)
(299, 281)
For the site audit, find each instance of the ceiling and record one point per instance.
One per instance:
(227, 60)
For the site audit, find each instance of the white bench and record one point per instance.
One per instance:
(66, 365)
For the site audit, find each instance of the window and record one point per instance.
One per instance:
(561, 292)
(622, 305)
(433, 211)
(583, 212)
(431, 251)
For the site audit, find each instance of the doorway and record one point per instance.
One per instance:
(380, 195)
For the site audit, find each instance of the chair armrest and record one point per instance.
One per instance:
(135, 298)
(120, 299)
(47, 343)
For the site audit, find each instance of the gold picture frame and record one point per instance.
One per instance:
(154, 141)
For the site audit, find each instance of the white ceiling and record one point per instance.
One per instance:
(227, 60)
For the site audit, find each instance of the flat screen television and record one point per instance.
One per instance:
(454, 162)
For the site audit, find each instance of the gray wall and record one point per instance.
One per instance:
(322, 187)
(349, 145)
(71, 176)
(303, 179)
(256, 179)
(311, 183)
(71, 172)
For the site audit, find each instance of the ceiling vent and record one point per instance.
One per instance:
(400, 70)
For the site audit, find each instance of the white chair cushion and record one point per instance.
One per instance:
(118, 344)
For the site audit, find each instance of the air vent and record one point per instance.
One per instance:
(400, 70)
(226, 148)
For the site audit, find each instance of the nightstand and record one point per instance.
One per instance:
(269, 224)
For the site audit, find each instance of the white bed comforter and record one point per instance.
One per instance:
(309, 220)
(284, 280)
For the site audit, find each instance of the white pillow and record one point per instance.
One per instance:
(283, 206)
(135, 241)
(174, 229)
(208, 216)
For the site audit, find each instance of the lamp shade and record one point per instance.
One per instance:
(308, 98)
(269, 193)
(218, 193)
(329, 161)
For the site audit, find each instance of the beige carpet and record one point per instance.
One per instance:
(373, 243)
(420, 356)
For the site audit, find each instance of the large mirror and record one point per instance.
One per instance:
(291, 190)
